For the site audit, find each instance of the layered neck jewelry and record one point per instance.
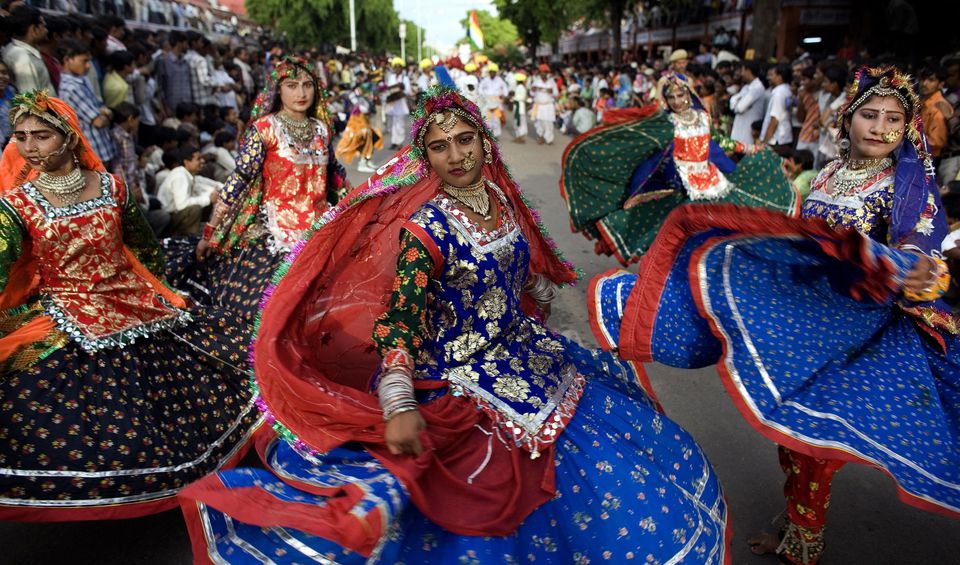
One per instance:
(474, 196)
(301, 131)
(687, 117)
(66, 187)
(853, 174)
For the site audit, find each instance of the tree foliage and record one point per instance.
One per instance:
(324, 23)
(540, 21)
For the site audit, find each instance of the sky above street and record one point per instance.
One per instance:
(440, 20)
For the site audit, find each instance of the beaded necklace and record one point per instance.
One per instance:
(66, 187)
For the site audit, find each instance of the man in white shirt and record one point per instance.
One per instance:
(395, 103)
(545, 94)
(519, 113)
(748, 104)
(21, 55)
(184, 195)
(493, 91)
(777, 129)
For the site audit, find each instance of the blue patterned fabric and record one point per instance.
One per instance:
(808, 364)
(631, 485)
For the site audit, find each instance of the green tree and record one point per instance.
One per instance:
(539, 21)
(309, 23)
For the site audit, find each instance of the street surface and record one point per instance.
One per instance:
(868, 524)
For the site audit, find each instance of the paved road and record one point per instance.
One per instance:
(868, 524)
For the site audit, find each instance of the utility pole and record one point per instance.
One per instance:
(353, 27)
(419, 34)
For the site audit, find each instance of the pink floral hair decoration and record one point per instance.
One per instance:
(440, 99)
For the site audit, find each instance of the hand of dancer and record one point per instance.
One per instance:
(403, 433)
(922, 277)
(203, 250)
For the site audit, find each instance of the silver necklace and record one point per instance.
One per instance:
(850, 178)
(66, 187)
(301, 131)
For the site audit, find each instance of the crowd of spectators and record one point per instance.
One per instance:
(160, 101)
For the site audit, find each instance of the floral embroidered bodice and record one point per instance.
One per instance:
(294, 177)
(88, 284)
(475, 336)
(691, 154)
(867, 210)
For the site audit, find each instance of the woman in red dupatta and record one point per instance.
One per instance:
(405, 305)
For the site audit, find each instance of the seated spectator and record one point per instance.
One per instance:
(187, 113)
(583, 117)
(184, 194)
(800, 171)
(221, 156)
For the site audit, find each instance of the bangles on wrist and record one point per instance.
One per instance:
(207, 234)
(395, 388)
(540, 288)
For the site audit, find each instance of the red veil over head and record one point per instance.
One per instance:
(314, 356)
(14, 171)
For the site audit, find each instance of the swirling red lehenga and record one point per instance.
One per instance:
(590, 468)
(113, 393)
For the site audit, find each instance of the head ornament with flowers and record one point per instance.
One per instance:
(673, 80)
(37, 103)
(445, 106)
(284, 67)
(886, 82)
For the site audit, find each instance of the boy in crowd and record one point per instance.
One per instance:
(185, 195)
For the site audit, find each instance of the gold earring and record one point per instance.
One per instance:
(487, 151)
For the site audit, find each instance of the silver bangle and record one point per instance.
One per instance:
(540, 288)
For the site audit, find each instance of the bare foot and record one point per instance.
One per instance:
(764, 543)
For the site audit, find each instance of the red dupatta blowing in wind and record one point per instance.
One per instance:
(314, 356)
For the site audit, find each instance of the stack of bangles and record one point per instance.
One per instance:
(207, 231)
(937, 285)
(395, 389)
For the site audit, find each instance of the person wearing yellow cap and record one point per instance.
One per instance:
(493, 92)
(519, 114)
(424, 76)
(395, 102)
(469, 83)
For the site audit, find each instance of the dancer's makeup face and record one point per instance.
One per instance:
(876, 127)
(449, 152)
(41, 145)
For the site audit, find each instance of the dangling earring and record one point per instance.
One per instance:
(844, 145)
(487, 151)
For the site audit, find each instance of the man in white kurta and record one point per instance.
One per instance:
(519, 114)
(545, 94)
(397, 110)
(493, 91)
